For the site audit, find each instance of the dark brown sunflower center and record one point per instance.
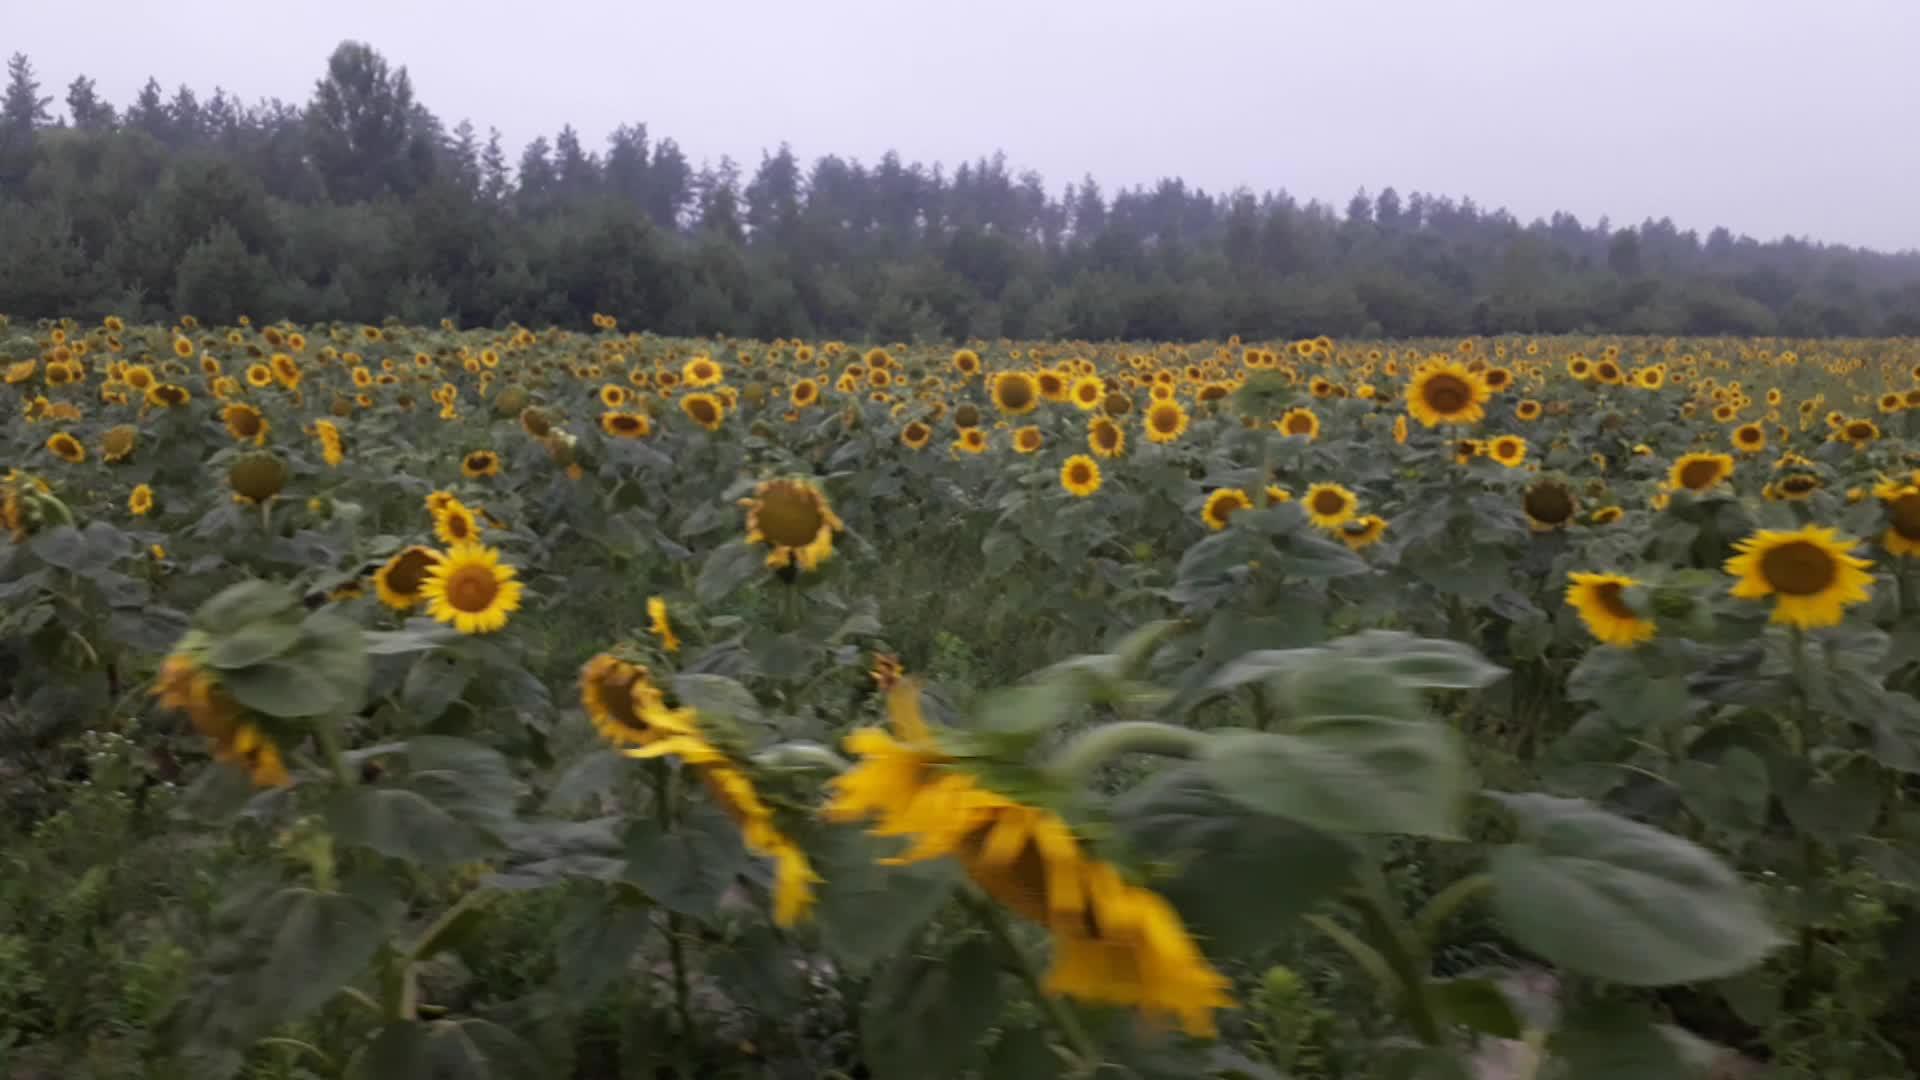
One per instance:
(1118, 403)
(1165, 420)
(1699, 475)
(1016, 392)
(1611, 598)
(246, 423)
(471, 588)
(1748, 436)
(1106, 436)
(409, 570)
(1446, 394)
(1549, 504)
(1904, 515)
(701, 410)
(789, 516)
(1078, 473)
(1608, 371)
(479, 462)
(1299, 424)
(626, 425)
(1859, 431)
(966, 416)
(1801, 485)
(1798, 568)
(1329, 502)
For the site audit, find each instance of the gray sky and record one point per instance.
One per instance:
(1768, 116)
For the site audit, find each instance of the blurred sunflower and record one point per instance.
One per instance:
(702, 371)
(1901, 501)
(626, 425)
(1080, 476)
(1015, 393)
(398, 580)
(1028, 439)
(332, 449)
(1329, 505)
(1106, 438)
(1166, 421)
(1508, 450)
(1363, 532)
(1300, 421)
(1601, 601)
(117, 444)
(1087, 392)
(140, 500)
(916, 435)
(1222, 505)
(1700, 472)
(454, 523)
(660, 626)
(66, 448)
(1809, 570)
(1749, 438)
(792, 517)
(480, 463)
(1549, 505)
(184, 686)
(972, 440)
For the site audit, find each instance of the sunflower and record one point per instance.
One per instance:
(66, 448)
(117, 444)
(1809, 570)
(1527, 411)
(971, 441)
(1700, 472)
(1400, 430)
(140, 501)
(1508, 450)
(702, 371)
(1902, 503)
(660, 626)
(707, 410)
(916, 435)
(1106, 438)
(470, 589)
(1222, 505)
(480, 463)
(1601, 601)
(168, 395)
(286, 370)
(1749, 438)
(1014, 393)
(397, 582)
(1087, 392)
(332, 450)
(626, 425)
(613, 396)
(183, 685)
(1857, 432)
(1329, 505)
(792, 517)
(1166, 421)
(1447, 393)
(805, 394)
(1051, 384)
(1080, 476)
(1026, 440)
(1114, 943)
(257, 477)
(454, 524)
(1549, 505)
(617, 696)
(1301, 421)
(1362, 532)
(967, 363)
(245, 423)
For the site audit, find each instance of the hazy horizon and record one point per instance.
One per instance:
(1634, 111)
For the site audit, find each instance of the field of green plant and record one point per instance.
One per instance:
(409, 701)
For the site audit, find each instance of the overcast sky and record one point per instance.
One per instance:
(1768, 116)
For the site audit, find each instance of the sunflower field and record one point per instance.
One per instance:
(413, 701)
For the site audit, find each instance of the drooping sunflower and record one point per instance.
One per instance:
(1447, 393)
(1222, 505)
(245, 423)
(332, 447)
(660, 626)
(1508, 450)
(1857, 432)
(1080, 476)
(470, 589)
(140, 500)
(916, 435)
(1601, 601)
(1329, 505)
(1015, 393)
(626, 425)
(257, 477)
(117, 444)
(184, 686)
(1106, 438)
(480, 463)
(1700, 472)
(398, 580)
(1809, 571)
(1549, 505)
(1400, 430)
(1363, 532)
(1749, 438)
(793, 517)
(1028, 439)
(707, 410)
(1114, 943)
(617, 696)
(1166, 421)
(1300, 421)
(1902, 503)
(66, 448)
(1607, 515)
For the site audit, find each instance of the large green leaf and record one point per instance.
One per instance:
(1349, 774)
(1608, 897)
(1835, 806)
(464, 1049)
(730, 566)
(925, 1016)
(688, 868)
(1617, 1042)
(253, 643)
(1731, 793)
(1238, 878)
(310, 944)
(471, 782)
(866, 911)
(243, 603)
(404, 824)
(1478, 1004)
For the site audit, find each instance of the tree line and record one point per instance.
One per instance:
(361, 204)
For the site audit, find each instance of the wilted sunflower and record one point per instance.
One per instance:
(471, 589)
(706, 410)
(1329, 505)
(626, 425)
(1362, 532)
(1015, 393)
(1508, 450)
(1809, 570)
(1600, 600)
(1301, 421)
(1222, 505)
(286, 370)
(916, 435)
(1447, 393)
(792, 517)
(1700, 472)
(117, 444)
(480, 463)
(1166, 421)
(1028, 439)
(1106, 438)
(1749, 438)
(1549, 505)
(1114, 943)
(140, 500)
(1080, 476)
(66, 448)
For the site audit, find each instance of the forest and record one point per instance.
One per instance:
(362, 204)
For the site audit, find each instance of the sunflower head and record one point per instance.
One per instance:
(1166, 421)
(1080, 476)
(1106, 438)
(1222, 505)
(257, 477)
(793, 518)
(916, 435)
(470, 589)
(1015, 393)
(1604, 604)
(1329, 505)
(1700, 472)
(1549, 505)
(1508, 450)
(480, 463)
(1447, 392)
(1810, 572)
(1301, 421)
(117, 444)
(1027, 440)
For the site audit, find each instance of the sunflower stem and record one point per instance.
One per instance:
(1079, 758)
(329, 739)
(1404, 952)
(663, 789)
(1086, 1054)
